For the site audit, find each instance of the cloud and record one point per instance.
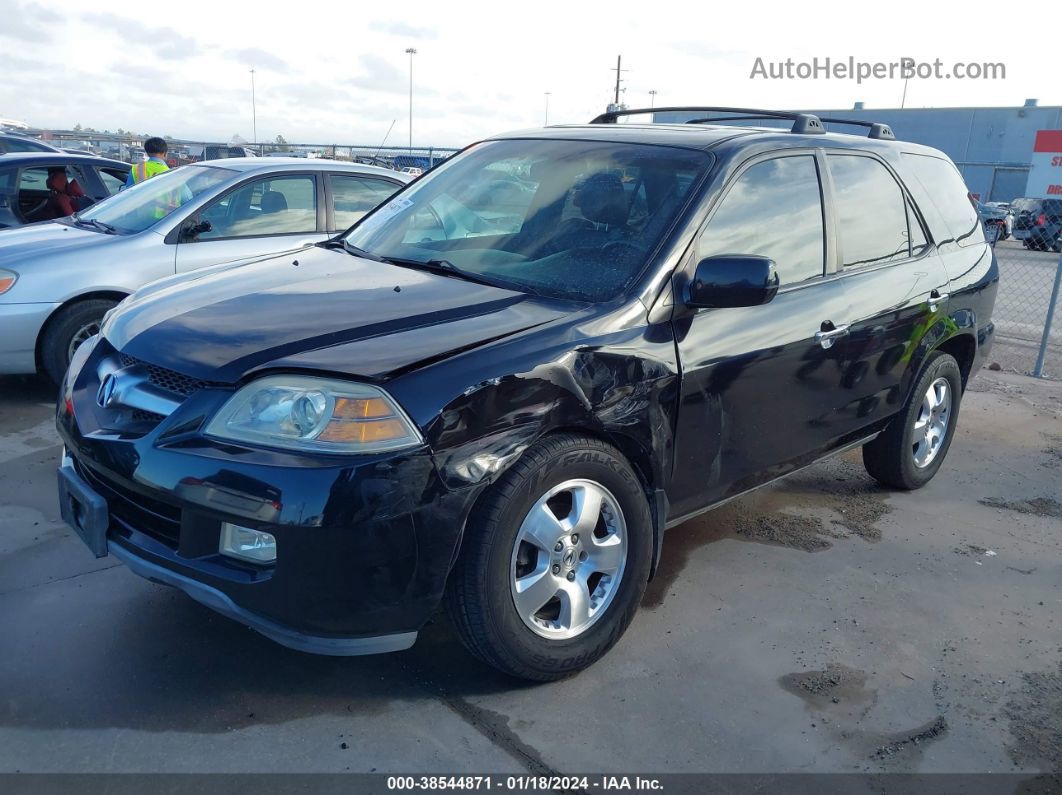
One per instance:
(379, 74)
(167, 43)
(402, 29)
(26, 23)
(259, 59)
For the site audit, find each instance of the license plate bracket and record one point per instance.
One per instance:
(84, 510)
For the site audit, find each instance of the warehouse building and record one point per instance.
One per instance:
(991, 146)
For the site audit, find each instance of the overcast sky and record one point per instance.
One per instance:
(337, 72)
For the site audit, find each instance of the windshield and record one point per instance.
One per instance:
(1036, 205)
(568, 219)
(145, 204)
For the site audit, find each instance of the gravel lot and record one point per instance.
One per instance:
(820, 624)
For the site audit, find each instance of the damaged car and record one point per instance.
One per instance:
(501, 388)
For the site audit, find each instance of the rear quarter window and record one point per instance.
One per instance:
(945, 187)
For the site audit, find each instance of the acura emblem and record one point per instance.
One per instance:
(106, 393)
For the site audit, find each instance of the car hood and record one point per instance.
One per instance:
(35, 240)
(317, 309)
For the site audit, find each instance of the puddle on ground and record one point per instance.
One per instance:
(1036, 506)
(807, 511)
(839, 690)
(840, 699)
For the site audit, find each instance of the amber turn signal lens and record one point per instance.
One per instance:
(362, 432)
(361, 409)
(6, 282)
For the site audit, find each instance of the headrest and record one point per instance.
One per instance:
(273, 201)
(601, 199)
(57, 180)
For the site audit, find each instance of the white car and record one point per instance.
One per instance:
(58, 278)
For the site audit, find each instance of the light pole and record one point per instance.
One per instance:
(906, 64)
(652, 98)
(254, 112)
(411, 51)
(546, 124)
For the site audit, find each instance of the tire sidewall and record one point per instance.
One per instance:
(943, 365)
(612, 472)
(62, 329)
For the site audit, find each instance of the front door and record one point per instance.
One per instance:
(261, 217)
(759, 384)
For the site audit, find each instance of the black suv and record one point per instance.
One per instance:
(1038, 223)
(505, 384)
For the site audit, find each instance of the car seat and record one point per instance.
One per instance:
(273, 201)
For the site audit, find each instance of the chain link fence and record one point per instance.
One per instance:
(1027, 318)
(130, 150)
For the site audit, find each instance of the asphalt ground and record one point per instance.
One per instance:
(820, 624)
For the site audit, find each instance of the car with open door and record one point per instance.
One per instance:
(505, 384)
(59, 278)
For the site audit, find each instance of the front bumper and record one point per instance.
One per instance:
(75, 491)
(364, 543)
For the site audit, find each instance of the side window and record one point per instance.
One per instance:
(33, 179)
(269, 206)
(773, 210)
(871, 211)
(947, 190)
(112, 179)
(353, 196)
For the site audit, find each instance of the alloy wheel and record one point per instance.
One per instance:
(568, 559)
(931, 424)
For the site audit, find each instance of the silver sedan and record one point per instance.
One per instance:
(58, 278)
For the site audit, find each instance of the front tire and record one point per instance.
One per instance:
(555, 560)
(71, 326)
(908, 453)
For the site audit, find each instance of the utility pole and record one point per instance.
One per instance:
(254, 112)
(652, 98)
(546, 124)
(619, 61)
(411, 51)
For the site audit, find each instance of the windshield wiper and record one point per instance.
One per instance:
(94, 224)
(335, 243)
(441, 266)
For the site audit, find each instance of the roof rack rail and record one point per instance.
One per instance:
(877, 129)
(803, 123)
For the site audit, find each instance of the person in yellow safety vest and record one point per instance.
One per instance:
(155, 164)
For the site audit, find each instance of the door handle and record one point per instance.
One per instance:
(827, 338)
(935, 298)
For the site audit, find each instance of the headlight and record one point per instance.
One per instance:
(7, 280)
(309, 413)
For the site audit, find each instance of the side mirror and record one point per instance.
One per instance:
(191, 229)
(731, 280)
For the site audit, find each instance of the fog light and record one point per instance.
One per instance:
(247, 544)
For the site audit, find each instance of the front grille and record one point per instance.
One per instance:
(150, 516)
(170, 380)
(139, 415)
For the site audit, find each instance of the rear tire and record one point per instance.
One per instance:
(908, 453)
(513, 551)
(71, 326)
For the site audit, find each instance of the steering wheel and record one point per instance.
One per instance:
(36, 208)
(612, 245)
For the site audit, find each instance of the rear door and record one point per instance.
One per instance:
(758, 388)
(896, 286)
(263, 216)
